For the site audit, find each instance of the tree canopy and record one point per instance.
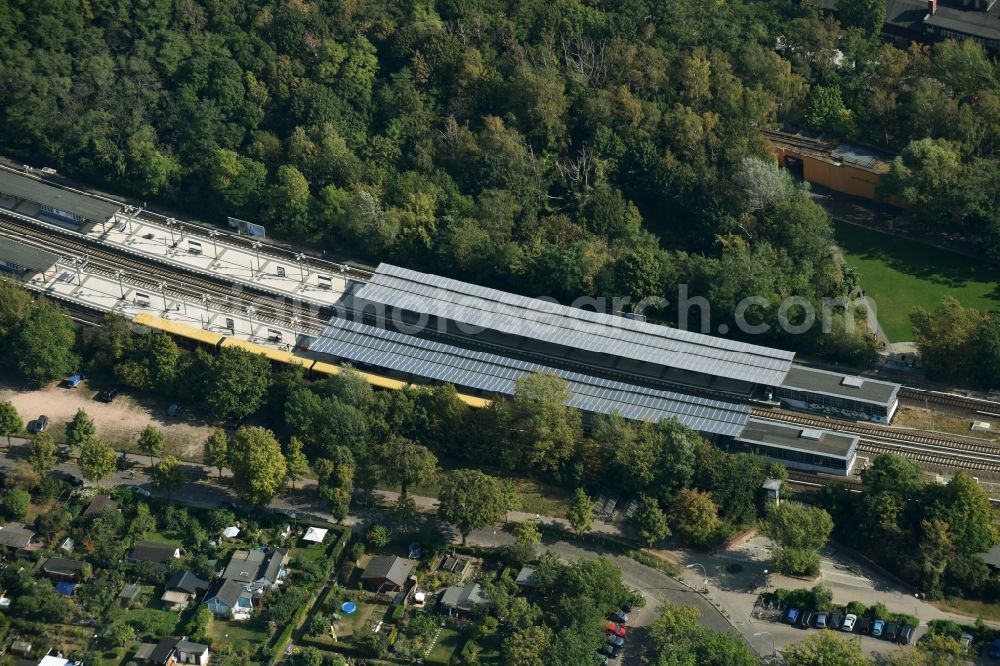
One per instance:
(258, 466)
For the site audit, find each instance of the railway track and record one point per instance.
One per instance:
(948, 452)
(162, 279)
(972, 404)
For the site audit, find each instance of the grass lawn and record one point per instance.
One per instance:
(236, 633)
(970, 608)
(160, 622)
(448, 641)
(533, 496)
(900, 275)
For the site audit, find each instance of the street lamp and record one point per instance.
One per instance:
(774, 652)
(215, 247)
(163, 294)
(170, 227)
(250, 314)
(256, 249)
(298, 259)
(703, 571)
(118, 274)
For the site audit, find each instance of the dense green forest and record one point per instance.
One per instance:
(563, 148)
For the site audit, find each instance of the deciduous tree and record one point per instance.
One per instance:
(649, 521)
(97, 459)
(581, 513)
(45, 344)
(216, 452)
(826, 647)
(10, 420)
(470, 500)
(258, 465)
(42, 453)
(80, 429)
(295, 461)
(152, 442)
(168, 475)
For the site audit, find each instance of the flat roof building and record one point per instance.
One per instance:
(800, 448)
(837, 394)
(34, 198)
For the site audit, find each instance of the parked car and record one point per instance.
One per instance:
(820, 621)
(877, 627)
(73, 380)
(849, 621)
(108, 394)
(621, 617)
(965, 640)
(890, 631)
(835, 620)
(175, 409)
(71, 479)
(616, 641)
(39, 424)
(601, 659)
(139, 490)
(905, 634)
(627, 606)
(607, 651)
(615, 629)
(863, 626)
(994, 650)
(807, 620)
(792, 616)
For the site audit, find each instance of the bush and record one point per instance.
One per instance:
(16, 503)
(796, 562)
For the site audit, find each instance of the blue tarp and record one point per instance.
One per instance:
(65, 589)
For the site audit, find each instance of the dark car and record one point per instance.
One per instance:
(608, 651)
(71, 479)
(836, 619)
(621, 617)
(39, 424)
(905, 634)
(616, 641)
(891, 631)
(628, 606)
(108, 394)
(863, 626)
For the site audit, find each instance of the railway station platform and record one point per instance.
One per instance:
(258, 265)
(101, 290)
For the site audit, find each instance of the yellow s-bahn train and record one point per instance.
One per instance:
(316, 368)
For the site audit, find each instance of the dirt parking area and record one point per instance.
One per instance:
(119, 422)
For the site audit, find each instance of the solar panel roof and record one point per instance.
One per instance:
(438, 361)
(476, 306)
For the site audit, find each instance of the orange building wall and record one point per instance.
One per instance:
(843, 178)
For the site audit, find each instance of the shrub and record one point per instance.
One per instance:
(796, 561)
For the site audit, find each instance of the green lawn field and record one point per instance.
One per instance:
(900, 275)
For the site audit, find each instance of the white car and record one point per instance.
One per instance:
(849, 621)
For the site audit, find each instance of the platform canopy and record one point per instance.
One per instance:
(496, 374)
(31, 189)
(26, 256)
(570, 327)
